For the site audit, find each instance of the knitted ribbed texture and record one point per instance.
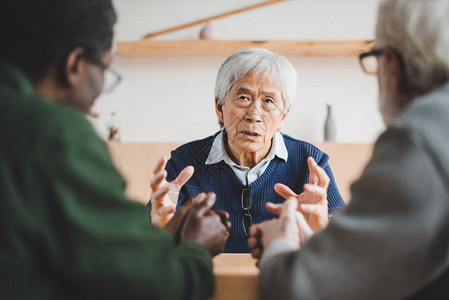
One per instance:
(220, 179)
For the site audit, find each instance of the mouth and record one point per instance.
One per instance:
(251, 134)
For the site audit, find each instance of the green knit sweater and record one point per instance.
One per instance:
(67, 231)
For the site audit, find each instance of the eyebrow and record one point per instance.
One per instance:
(243, 90)
(248, 91)
(272, 94)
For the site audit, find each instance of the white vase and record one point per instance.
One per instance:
(330, 131)
(210, 32)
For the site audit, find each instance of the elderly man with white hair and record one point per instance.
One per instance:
(249, 161)
(392, 241)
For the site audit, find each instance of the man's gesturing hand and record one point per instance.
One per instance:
(205, 226)
(313, 201)
(164, 196)
(175, 225)
(290, 226)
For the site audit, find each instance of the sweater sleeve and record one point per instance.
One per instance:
(98, 240)
(390, 242)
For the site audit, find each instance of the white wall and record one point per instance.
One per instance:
(171, 99)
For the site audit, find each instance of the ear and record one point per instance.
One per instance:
(284, 116)
(74, 66)
(219, 109)
(392, 68)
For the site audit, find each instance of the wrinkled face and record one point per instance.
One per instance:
(90, 84)
(252, 113)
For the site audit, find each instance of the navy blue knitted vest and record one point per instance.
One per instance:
(220, 179)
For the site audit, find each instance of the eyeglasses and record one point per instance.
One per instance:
(111, 77)
(247, 201)
(111, 80)
(369, 61)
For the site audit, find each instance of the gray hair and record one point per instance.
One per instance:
(257, 61)
(419, 30)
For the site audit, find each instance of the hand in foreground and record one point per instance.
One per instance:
(164, 194)
(205, 227)
(176, 223)
(312, 202)
(291, 226)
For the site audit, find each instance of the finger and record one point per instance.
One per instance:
(228, 224)
(160, 165)
(163, 211)
(256, 253)
(207, 204)
(182, 212)
(289, 208)
(274, 208)
(313, 179)
(224, 216)
(159, 195)
(305, 197)
(284, 190)
(222, 213)
(184, 176)
(253, 242)
(185, 208)
(190, 206)
(198, 199)
(157, 179)
(321, 175)
(318, 193)
(301, 220)
(188, 203)
(305, 230)
(225, 221)
(311, 209)
(254, 230)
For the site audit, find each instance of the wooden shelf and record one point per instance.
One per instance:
(199, 48)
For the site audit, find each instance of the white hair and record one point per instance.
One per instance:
(257, 61)
(419, 30)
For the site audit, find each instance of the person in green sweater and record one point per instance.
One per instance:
(67, 230)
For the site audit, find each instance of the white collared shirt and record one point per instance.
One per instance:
(245, 174)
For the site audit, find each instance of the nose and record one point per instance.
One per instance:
(253, 113)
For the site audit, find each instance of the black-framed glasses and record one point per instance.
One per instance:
(369, 61)
(111, 80)
(247, 201)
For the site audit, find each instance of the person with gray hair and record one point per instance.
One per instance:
(249, 160)
(392, 241)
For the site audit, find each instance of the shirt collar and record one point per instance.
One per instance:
(218, 153)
